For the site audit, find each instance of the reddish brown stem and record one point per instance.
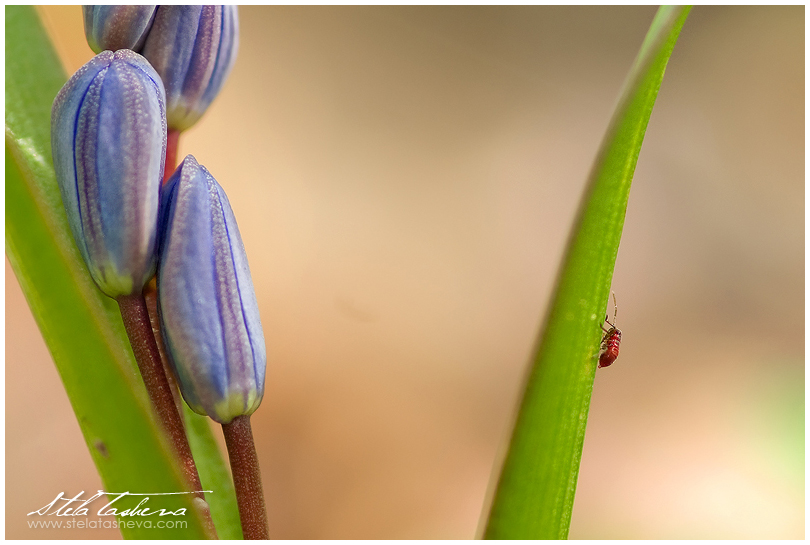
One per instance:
(150, 295)
(172, 142)
(247, 478)
(139, 331)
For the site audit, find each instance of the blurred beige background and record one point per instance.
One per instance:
(404, 180)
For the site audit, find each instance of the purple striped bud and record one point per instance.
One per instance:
(108, 139)
(117, 27)
(193, 48)
(208, 311)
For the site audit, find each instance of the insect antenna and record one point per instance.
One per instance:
(615, 310)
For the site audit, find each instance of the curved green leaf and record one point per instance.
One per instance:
(82, 327)
(535, 491)
(214, 475)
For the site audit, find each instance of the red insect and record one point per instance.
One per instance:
(609, 349)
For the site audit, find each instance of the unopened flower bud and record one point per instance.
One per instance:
(117, 27)
(108, 139)
(193, 48)
(208, 310)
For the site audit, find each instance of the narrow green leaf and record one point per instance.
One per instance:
(83, 328)
(535, 492)
(213, 475)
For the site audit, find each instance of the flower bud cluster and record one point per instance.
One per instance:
(109, 128)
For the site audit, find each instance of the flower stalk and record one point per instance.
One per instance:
(139, 330)
(247, 478)
(172, 144)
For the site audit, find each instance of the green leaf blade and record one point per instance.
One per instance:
(214, 475)
(535, 492)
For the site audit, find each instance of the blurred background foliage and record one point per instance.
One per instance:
(405, 179)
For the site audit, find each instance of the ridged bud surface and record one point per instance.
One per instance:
(208, 310)
(193, 48)
(108, 139)
(117, 27)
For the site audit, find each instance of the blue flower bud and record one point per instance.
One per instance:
(208, 311)
(117, 27)
(108, 139)
(193, 48)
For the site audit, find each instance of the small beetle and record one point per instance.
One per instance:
(609, 349)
